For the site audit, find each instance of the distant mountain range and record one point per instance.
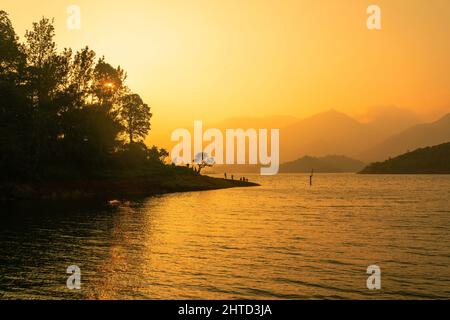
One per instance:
(331, 132)
(391, 132)
(418, 136)
(429, 160)
(334, 132)
(276, 122)
(327, 164)
(387, 132)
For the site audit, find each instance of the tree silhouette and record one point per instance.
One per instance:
(15, 114)
(203, 160)
(64, 114)
(81, 75)
(136, 116)
(12, 59)
(109, 83)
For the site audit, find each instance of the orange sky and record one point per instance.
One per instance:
(209, 60)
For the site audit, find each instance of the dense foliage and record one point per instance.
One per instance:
(430, 160)
(65, 114)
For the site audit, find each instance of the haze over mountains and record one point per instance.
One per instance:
(257, 122)
(388, 121)
(418, 136)
(388, 132)
(327, 164)
(333, 132)
(391, 132)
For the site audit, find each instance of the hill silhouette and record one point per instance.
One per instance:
(388, 121)
(275, 121)
(330, 132)
(327, 164)
(418, 136)
(325, 133)
(429, 160)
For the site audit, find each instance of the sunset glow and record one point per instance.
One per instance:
(211, 60)
(246, 151)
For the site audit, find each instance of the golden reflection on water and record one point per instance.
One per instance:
(281, 240)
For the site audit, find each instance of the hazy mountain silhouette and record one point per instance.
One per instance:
(331, 132)
(327, 164)
(275, 122)
(334, 132)
(388, 121)
(418, 136)
(429, 160)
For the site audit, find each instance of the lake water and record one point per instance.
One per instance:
(283, 240)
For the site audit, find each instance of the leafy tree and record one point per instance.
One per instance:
(157, 155)
(135, 115)
(12, 58)
(47, 70)
(109, 83)
(15, 115)
(81, 77)
(64, 114)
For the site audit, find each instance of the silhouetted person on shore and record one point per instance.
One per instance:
(232, 177)
(311, 177)
(225, 175)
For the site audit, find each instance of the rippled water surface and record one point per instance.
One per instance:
(283, 240)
